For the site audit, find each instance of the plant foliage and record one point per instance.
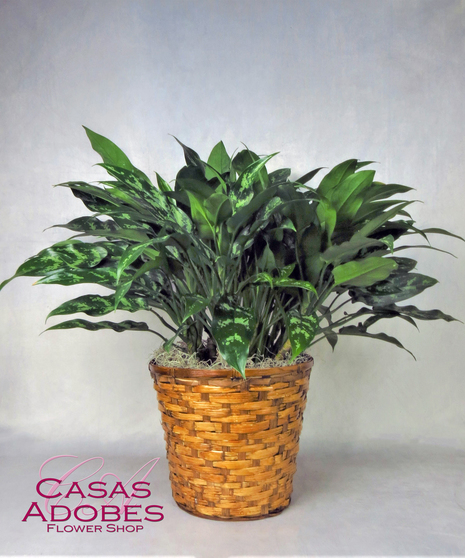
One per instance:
(235, 259)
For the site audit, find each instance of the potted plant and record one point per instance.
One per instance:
(247, 269)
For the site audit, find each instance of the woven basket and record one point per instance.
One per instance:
(232, 443)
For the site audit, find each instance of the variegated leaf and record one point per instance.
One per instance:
(129, 256)
(73, 254)
(97, 305)
(127, 325)
(361, 332)
(242, 193)
(193, 304)
(232, 329)
(400, 286)
(140, 188)
(301, 331)
(414, 312)
(105, 276)
(89, 224)
(284, 282)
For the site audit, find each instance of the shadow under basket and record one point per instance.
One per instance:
(231, 443)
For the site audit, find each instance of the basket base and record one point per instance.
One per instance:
(252, 518)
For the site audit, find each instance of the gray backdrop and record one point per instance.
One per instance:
(320, 81)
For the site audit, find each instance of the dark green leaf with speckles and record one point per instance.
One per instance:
(129, 256)
(398, 287)
(89, 224)
(284, 282)
(97, 305)
(414, 312)
(127, 325)
(105, 276)
(242, 192)
(232, 329)
(139, 187)
(360, 331)
(74, 254)
(279, 176)
(193, 303)
(301, 331)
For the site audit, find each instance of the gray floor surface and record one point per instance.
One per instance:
(378, 498)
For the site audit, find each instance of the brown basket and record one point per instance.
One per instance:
(232, 443)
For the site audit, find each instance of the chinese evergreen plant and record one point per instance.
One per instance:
(236, 260)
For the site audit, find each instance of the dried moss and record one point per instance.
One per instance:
(179, 358)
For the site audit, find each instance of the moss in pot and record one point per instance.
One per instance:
(247, 269)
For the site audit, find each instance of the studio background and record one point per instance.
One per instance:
(319, 81)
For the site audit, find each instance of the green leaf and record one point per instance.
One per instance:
(167, 345)
(110, 153)
(363, 273)
(301, 331)
(97, 305)
(331, 337)
(267, 261)
(379, 191)
(361, 164)
(369, 210)
(200, 217)
(219, 160)
(218, 208)
(348, 250)
(374, 224)
(336, 175)
(360, 332)
(327, 216)
(127, 325)
(308, 176)
(193, 304)
(243, 159)
(351, 186)
(397, 288)
(191, 156)
(442, 231)
(424, 246)
(162, 184)
(193, 180)
(232, 329)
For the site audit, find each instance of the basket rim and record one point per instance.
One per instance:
(174, 371)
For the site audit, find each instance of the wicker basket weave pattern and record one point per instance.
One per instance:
(232, 444)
